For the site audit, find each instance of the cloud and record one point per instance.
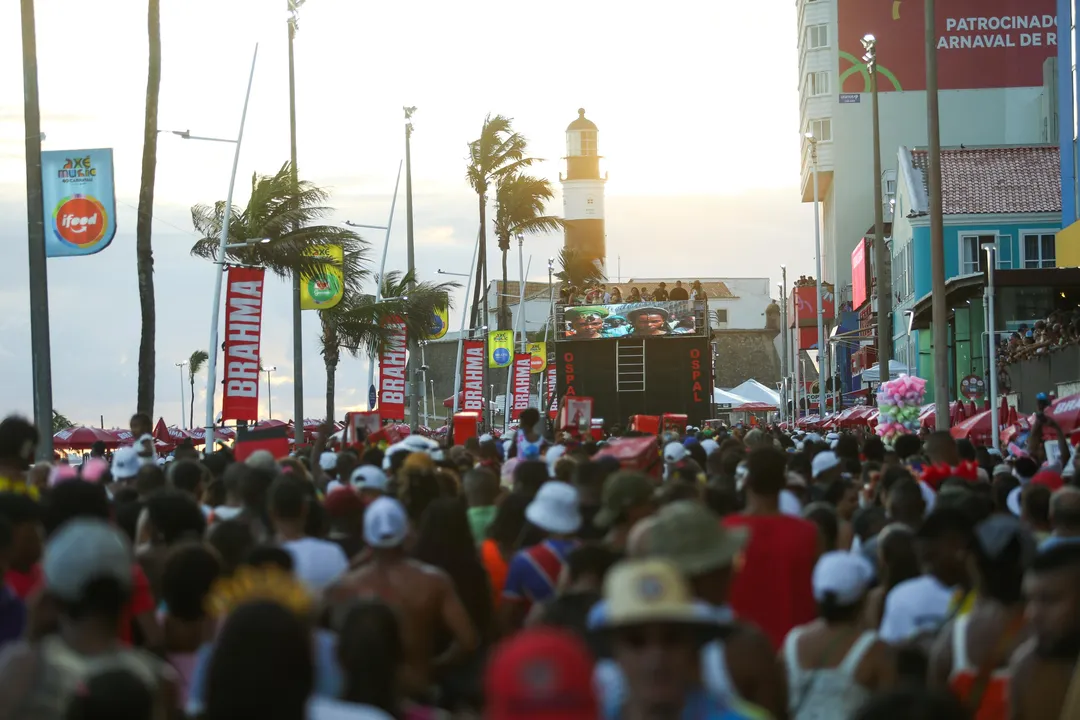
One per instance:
(441, 235)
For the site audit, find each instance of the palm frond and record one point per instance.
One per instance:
(577, 268)
(196, 362)
(520, 202)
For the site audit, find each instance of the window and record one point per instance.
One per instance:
(1004, 252)
(972, 259)
(817, 83)
(588, 142)
(817, 37)
(890, 187)
(820, 129)
(721, 316)
(1039, 250)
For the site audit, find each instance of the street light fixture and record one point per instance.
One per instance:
(269, 397)
(181, 366)
(820, 295)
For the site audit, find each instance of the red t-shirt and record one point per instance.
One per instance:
(23, 583)
(142, 600)
(772, 588)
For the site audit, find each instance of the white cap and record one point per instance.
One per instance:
(789, 504)
(674, 452)
(709, 446)
(486, 437)
(824, 462)
(369, 477)
(846, 576)
(813, 438)
(832, 437)
(125, 463)
(554, 509)
(328, 461)
(552, 457)
(385, 523)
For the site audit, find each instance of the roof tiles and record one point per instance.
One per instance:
(982, 181)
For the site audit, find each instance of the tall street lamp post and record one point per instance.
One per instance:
(41, 352)
(820, 295)
(785, 331)
(939, 315)
(991, 327)
(269, 396)
(181, 366)
(881, 251)
(297, 316)
(412, 368)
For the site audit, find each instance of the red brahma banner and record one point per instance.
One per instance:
(472, 375)
(522, 370)
(392, 371)
(243, 328)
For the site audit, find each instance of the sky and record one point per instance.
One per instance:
(702, 156)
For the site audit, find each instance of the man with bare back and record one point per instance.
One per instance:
(423, 596)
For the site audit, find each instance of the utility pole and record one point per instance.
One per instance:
(785, 331)
(41, 351)
(820, 295)
(881, 250)
(297, 317)
(411, 366)
(939, 309)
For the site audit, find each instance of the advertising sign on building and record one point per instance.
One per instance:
(521, 380)
(243, 328)
(980, 43)
(670, 318)
(803, 301)
(552, 380)
(79, 200)
(324, 289)
(472, 377)
(859, 273)
(392, 371)
(440, 321)
(500, 348)
(538, 351)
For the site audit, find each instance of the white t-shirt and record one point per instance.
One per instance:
(144, 441)
(320, 708)
(914, 606)
(317, 563)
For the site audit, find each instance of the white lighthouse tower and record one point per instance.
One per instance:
(583, 191)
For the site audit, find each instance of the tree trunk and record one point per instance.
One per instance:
(331, 358)
(480, 255)
(331, 387)
(144, 252)
(191, 416)
(504, 308)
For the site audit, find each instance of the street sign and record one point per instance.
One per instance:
(371, 397)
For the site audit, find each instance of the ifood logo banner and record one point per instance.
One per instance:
(80, 201)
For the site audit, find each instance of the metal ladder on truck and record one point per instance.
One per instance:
(630, 366)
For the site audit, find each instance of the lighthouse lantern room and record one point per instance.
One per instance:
(583, 191)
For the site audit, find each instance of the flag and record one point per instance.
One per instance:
(500, 348)
(392, 371)
(243, 330)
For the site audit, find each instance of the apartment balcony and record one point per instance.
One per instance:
(825, 170)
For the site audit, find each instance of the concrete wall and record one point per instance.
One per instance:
(742, 355)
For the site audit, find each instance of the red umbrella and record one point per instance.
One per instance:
(83, 438)
(1066, 411)
(977, 428)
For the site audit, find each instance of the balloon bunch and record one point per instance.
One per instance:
(899, 404)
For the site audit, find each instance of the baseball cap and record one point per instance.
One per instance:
(845, 576)
(555, 508)
(342, 502)
(674, 452)
(709, 446)
(328, 461)
(125, 463)
(622, 491)
(84, 550)
(552, 457)
(652, 590)
(385, 523)
(369, 477)
(757, 438)
(689, 536)
(541, 674)
(1048, 478)
(824, 462)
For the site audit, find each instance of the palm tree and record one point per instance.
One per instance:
(144, 252)
(498, 152)
(577, 268)
(195, 364)
(519, 210)
(356, 324)
(60, 422)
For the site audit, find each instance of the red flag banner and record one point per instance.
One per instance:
(392, 371)
(472, 375)
(553, 406)
(522, 372)
(243, 328)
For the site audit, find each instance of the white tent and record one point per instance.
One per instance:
(896, 369)
(754, 391)
(726, 397)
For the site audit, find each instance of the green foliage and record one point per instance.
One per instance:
(60, 422)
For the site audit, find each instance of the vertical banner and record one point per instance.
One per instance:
(440, 320)
(500, 348)
(79, 200)
(538, 350)
(392, 371)
(552, 379)
(243, 328)
(324, 289)
(522, 367)
(472, 375)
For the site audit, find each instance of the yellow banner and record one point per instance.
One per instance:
(538, 350)
(440, 320)
(323, 290)
(500, 348)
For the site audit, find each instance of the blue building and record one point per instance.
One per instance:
(1068, 129)
(1009, 198)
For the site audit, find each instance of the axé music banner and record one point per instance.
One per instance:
(79, 199)
(243, 331)
(392, 370)
(522, 369)
(472, 375)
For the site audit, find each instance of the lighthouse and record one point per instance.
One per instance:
(583, 191)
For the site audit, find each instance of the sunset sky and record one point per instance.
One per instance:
(696, 105)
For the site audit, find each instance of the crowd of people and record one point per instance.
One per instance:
(1060, 330)
(594, 292)
(757, 574)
